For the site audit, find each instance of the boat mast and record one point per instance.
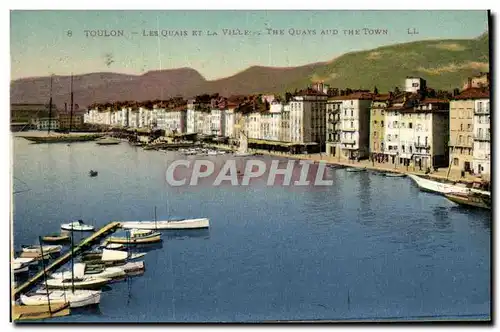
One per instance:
(71, 107)
(72, 262)
(45, 274)
(156, 227)
(50, 105)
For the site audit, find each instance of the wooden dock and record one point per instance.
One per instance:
(109, 228)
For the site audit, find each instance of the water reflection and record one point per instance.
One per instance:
(441, 217)
(184, 234)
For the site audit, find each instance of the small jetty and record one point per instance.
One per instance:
(109, 228)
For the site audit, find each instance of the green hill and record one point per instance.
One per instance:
(445, 64)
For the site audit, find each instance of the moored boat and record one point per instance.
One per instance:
(439, 187)
(137, 236)
(78, 283)
(32, 312)
(167, 224)
(108, 141)
(355, 169)
(49, 249)
(78, 225)
(470, 200)
(395, 175)
(56, 238)
(82, 270)
(76, 299)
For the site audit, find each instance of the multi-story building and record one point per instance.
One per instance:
(355, 125)
(230, 121)
(271, 122)
(482, 136)
(377, 125)
(75, 119)
(218, 122)
(175, 120)
(333, 127)
(423, 130)
(25, 113)
(133, 118)
(45, 123)
(308, 117)
(252, 124)
(462, 129)
(392, 129)
(285, 124)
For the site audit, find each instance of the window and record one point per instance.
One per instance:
(469, 127)
(426, 140)
(374, 134)
(375, 122)
(352, 112)
(455, 161)
(382, 123)
(352, 103)
(352, 124)
(460, 139)
(410, 125)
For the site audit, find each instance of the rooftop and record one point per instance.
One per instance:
(473, 93)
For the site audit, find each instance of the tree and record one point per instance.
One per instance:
(396, 91)
(375, 90)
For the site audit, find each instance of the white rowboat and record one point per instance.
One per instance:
(167, 224)
(46, 249)
(106, 273)
(79, 298)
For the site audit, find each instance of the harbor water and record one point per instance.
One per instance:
(367, 247)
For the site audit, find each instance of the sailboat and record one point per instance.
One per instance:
(79, 281)
(44, 307)
(173, 224)
(61, 138)
(81, 269)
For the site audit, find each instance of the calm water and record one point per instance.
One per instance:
(367, 247)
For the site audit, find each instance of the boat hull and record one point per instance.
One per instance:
(79, 228)
(25, 312)
(166, 225)
(123, 240)
(438, 187)
(62, 138)
(86, 284)
(468, 201)
(76, 300)
(56, 239)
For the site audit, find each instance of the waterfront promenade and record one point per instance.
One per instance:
(441, 173)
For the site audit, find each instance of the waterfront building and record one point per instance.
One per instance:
(482, 136)
(423, 130)
(308, 117)
(45, 123)
(377, 125)
(190, 117)
(25, 113)
(354, 117)
(284, 135)
(65, 119)
(415, 84)
(203, 122)
(174, 120)
(333, 127)
(271, 122)
(253, 124)
(217, 122)
(392, 129)
(229, 121)
(462, 128)
(133, 118)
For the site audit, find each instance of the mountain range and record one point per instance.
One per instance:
(445, 64)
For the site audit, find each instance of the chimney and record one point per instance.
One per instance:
(469, 83)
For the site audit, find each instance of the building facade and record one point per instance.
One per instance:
(482, 137)
(377, 125)
(45, 123)
(462, 128)
(308, 117)
(333, 127)
(355, 125)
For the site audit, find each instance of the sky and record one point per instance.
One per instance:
(62, 42)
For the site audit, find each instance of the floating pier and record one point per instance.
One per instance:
(109, 228)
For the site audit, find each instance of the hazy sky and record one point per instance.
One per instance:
(40, 43)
